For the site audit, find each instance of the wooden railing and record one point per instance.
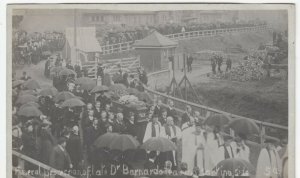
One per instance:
(180, 105)
(126, 46)
(131, 64)
(37, 169)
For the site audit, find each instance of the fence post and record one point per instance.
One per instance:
(262, 134)
(21, 166)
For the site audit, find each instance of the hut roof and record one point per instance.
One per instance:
(155, 40)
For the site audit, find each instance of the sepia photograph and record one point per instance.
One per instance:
(150, 90)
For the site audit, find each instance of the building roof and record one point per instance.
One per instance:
(86, 39)
(155, 40)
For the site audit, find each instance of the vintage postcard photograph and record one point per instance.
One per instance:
(150, 90)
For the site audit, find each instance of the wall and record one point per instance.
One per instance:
(150, 59)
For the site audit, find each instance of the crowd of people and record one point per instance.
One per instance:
(121, 36)
(64, 136)
(34, 47)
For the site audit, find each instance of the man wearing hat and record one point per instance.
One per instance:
(153, 129)
(60, 158)
(73, 147)
(269, 164)
(173, 133)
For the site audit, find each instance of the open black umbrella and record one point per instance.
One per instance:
(48, 92)
(88, 85)
(159, 144)
(29, 111)
(235, 167)
(104, 140)
(72, 102)
(34, 104)
(27, 92)
(64, 95)
(26, 98)
(217, 120)
(100, 88)
(17, 83)
(31, 84)
(244, 126)
(82, 80)
(67, 72)
(124, 142)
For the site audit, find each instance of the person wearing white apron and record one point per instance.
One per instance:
(211, 148)
(189, 147)
(269, 164)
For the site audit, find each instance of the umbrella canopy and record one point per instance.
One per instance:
(104, 140)
(48, 92)
(27, 92)
(82, 80)
(29, 111)
(118, 90)
(217, 120)
(73, 102)
(88, 85)
(26, 98)
(244, 126)
(17, 83)
(159, 144)
(34, 104)
(143, 96)
(117, 87)
(124, 142)
(64, 95)
(67, 72)
(132, 91)
(235, 167)
(31, 84)
(100, 88)
(56, 70)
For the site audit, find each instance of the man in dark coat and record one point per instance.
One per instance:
(60, 158)
(172, 112)
(47, 143)
(219, 62)
(119, 126)
(158, 108)
(150, 164)
(131, 127)
(228, 64)
(98, 110)
(91, 134)
(74, 149)
(47, 68)
(143, 75)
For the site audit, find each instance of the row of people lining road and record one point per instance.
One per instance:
(114, 37)
(32, 48)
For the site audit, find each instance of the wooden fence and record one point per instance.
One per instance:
(127, 46)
